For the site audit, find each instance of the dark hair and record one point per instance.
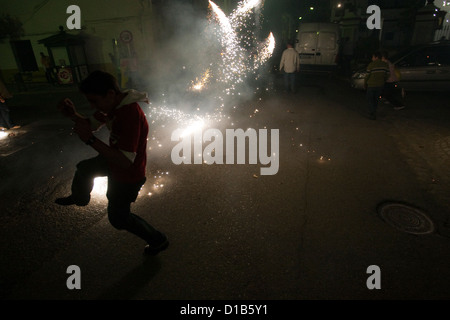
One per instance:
(99, 83)
(377, 54)
(385, 54)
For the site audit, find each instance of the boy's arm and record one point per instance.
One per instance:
(113, 155)
(68, 110)
(369, 71)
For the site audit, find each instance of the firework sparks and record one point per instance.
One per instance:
(199, 85)
(266, 52)
(193, 127)
(161, 114)
(233, 66)
(245, 6)
(235, 63)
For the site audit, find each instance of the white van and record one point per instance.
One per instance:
(318, 45)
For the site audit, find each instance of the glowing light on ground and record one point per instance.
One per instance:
(3, 135)
(160, 179)
(100, 187)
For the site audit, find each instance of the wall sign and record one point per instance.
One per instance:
(126, 36)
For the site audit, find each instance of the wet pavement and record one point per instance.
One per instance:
(309, 232)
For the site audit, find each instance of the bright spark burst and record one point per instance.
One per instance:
(3, 135)
(266, 52)
(239, 57)
(236, 61)
(230, 69)
(245, 6)
(199, 85)
(193, 127)
(163, 113)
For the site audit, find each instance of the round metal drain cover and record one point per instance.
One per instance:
(406, 218)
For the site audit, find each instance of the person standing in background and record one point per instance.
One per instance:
(377, 74)
(290, 63)
(392, 90)
(47, 63)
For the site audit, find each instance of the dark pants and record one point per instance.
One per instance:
(373, 96)
(289, 81)
(393, 93)
(5, 120)
(120, 196)
(347, 64)
(50, 75)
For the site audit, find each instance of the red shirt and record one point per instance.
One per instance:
(128, 132)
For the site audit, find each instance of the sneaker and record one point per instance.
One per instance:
(399, 108)
(153, 250)
(68, 201)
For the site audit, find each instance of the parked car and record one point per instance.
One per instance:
(422, 68)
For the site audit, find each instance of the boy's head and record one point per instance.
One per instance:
(376, 55)
(385, 55)
(101, 90)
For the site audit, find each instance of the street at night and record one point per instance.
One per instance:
(273, 171)
(308, 232)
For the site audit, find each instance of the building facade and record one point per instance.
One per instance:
(117, 36)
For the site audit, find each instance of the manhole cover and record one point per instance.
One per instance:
(406, 218)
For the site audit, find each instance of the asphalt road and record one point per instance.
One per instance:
(309, 232)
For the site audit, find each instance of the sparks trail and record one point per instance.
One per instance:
(236, 61)
(223, 78)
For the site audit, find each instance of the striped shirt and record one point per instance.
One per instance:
(377, 73)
